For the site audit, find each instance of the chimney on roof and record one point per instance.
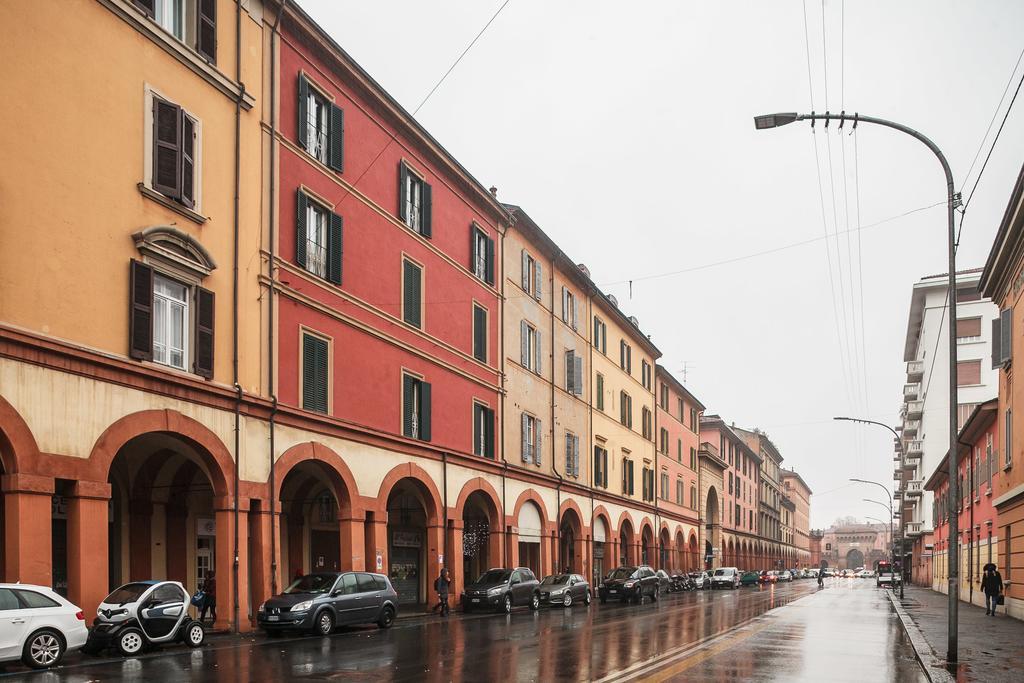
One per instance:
(493, 190)
(636, 323)
(583, 268)
(613, 300)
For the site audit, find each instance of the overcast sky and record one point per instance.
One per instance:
(625, 130)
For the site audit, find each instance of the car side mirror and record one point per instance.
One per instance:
(513, 582)
(336, 592)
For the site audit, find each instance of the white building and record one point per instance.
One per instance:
(925, 410)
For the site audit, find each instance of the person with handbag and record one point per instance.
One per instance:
(992, 585)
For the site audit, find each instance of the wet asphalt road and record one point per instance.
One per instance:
(844, 632)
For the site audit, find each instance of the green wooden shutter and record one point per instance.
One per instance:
(203, 364)
(408, 392)
(336, 143)
(303, 109)
(334, 248)
(630, 469)
(140, 333)
(302, 203)
(166, 148)
(489, 261)
(206, 29)
(489, 433)
(403, 183)
(599, 392)
(425, 210)
(480, 334)
(314, 373)
(997, 358)
(425, 411)
(478, 429)
(412, 294)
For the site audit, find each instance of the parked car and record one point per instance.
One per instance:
(141, 614)
(664, 581)
(630, 584)
(701, 579)
(725, 577)
(502, 589)
(783, 575)
(886, 575)
(320, 602)
(564, 590)
(767, 577)
(750, 579)
(39, 626)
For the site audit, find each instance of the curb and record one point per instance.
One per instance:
(926, 657)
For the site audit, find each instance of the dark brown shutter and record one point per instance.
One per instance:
(489, 261)
(425, 209)
(1005, 336)
(336, 141)
(166, 148)
(334, 249)
(188, 192)
(424, 411)
(997, 358)
(147, 6)
(206, 29)
(303, 110)
(403, 181)
(203, 365)
(488, 433)
(302, 203)
(140, 321)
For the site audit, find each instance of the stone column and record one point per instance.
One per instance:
(453, 560)
(224, 564)
(88, 530)
(435, 549)
(28, 504)
(512, 547)
(353, 543)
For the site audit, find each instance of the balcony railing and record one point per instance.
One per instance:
(911, 427)
(915, 488)
(911, 392)
(915, 370)
(913, 528)
(915, 409)
(914, 447)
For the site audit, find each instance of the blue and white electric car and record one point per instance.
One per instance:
(141, 614)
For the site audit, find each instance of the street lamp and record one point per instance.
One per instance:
(892, 548)
(952, 201)
(882, 521)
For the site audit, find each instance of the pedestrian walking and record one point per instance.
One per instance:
(441, 585)
(992, 584)
(210, 598)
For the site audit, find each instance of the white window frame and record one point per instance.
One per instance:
(168, 12)
(531, 347)
(162, 347)
(317, 219)
(414, 201)
(480, 265)
(317, 125)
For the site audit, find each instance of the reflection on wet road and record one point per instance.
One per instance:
(691, 635)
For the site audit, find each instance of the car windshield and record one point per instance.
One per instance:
(723, 572)
(622, 573)
(127, 593)
(494, 576)
(311, 583)
(556, 580)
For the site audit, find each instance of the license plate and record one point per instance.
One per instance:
(613, 592)
(476, 599)
(273, 617)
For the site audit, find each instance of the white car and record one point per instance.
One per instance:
(38, 626)
(701, 579)
(725, 577)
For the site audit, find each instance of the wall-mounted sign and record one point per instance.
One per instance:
(380, 561)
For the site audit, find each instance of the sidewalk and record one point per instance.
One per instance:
(991, 649)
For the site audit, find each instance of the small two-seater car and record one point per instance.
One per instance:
(564, 590)
(319, 602)
(502, 589)
(141, 614)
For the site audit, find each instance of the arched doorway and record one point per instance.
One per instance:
(664, 551)
(531, 531)
(646, 545)
(854, 558)
(600, 535)
(626, 542)
(712, 527)
(409, 509)
(570, 542)
(682, 562)
(313, 501)
(481, 536)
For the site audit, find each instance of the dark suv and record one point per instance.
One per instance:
(502, 589)
(630, 584)
(319, 602)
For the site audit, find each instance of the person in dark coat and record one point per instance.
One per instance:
(442, 585)
(210, 598)
(992, 584)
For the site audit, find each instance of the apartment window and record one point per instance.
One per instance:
(315, 373)
(569, 313)
(573, 373)
(414, 200)
(483, 431)
(625, 356)
(599, 391)
(681, 406)
(529, 347)
(679, 450)
(663, 396)
(600, 467)
(482, 255)
(600, 336)
(480, 333)
(693, 419)
(532, 275)
(415, 408)
(1008, 442)
(625, 409)
(173, 15)
(171, 322)
(730, 483)
(693, 497)
(693, 458)
(627, 477)
(572, 454)
(318, 239)
(645, 374)
(647, 484)
(739, 515)
(968, 372)
(968, 330)
(663, 441)
(966, 294)
(175, 147)
(645, 424)
(531, 439)
(321, 125)
(412, 293)
(679, 491)
(963, 413)
(664, 486)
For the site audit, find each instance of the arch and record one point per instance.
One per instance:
(711, 507)
(532, 495)
(484, 487)
(601, 513)
(330, 463)
(570, 505)
(214, 454)
(431, 497)
(17, 443)
(176, 247)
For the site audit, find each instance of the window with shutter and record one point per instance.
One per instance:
(569, 378)
(482, 255)
(315, 369)
(997, 358)
(416, 410)
(968, 373)
(414, 200)
(140, 334)
(538, 275)
(578, 373)
(203, 365)
(537, 346)
(412, 293)
(167, 148)
(480, 333)
(206, 29)
(968, 329)
(336, 139)
(483, 431)
(335, 249)
(599, 391)
(1005, 338)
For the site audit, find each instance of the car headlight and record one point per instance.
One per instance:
(556, 593)
(494, 591)
(302, 606)
(629, 584)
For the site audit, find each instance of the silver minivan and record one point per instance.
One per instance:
(725, 577)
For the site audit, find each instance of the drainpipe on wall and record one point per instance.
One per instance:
(554, 451)
(593, 441)
(272, 248)
(444, 481)
(501, 400)
(234, 296)
(657, 473)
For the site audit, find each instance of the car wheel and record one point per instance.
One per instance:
(508, 604)
(535, 602)
(43, 650)
(567, 602)
(195, 634)
(387, 617)
(324, 623)
(587, 598)
(130, 642)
